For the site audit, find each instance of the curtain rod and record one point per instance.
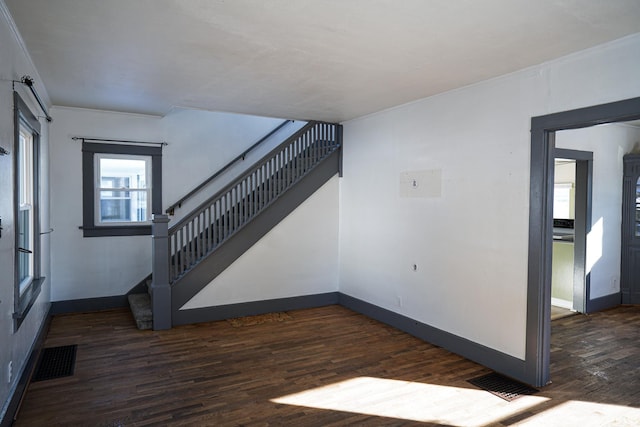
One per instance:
(122, 141)
(28, 81)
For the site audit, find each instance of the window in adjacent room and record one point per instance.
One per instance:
(121, 189)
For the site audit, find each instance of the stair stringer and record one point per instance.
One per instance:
(222, 257)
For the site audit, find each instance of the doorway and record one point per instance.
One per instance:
(543, 129)
(570, 284)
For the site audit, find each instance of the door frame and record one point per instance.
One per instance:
(630, 240)
(543, 128)
(582, 225)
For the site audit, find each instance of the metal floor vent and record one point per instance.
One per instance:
(56, 362)
(502, 386)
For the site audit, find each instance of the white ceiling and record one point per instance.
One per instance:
(307, 59)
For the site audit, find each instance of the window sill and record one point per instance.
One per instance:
(126, 230)
(26, 302)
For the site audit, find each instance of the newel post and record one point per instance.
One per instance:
(160, 288)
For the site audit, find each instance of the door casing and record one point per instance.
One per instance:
(582, 226)
(543, 128)
(630, 248)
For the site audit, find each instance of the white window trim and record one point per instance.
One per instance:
(26, 202)
(97, 189)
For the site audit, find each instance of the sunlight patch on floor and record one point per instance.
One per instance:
(585, 414)
(411, 401)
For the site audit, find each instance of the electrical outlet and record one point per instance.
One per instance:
(399, 301)
(9, 371)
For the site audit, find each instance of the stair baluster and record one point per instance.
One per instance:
(216, 220)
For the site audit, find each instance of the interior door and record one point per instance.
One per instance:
(630, 274)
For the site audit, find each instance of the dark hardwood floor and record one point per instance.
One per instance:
(323, 367)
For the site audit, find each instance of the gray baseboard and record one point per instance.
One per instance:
(11, 406)
(603, 303)
(493, 359)
(230, 311)
(496, 360)
(97, 304)
(89, 304)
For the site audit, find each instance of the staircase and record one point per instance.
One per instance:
(195, 250)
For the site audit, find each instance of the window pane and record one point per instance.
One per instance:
(140, 206)
(25, 164)
(132, 173)
(123, 206)
(25, 220)
(123, 189)
(563, 195)
(114, 182)
(25, 243)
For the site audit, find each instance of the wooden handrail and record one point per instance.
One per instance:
(201, 231)
(171, 209)
(243, 175)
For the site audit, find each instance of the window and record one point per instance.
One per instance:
(563, 200)
(121, 189)
(123, 193)
(27, 219)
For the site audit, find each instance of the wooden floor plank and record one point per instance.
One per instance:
(346, 368)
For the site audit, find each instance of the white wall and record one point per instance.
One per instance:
(470, 241)
(609, 143)
(96, 266)
(467, 235)
(15, 347)
(203, 141)
(200, 143)
(297, 257)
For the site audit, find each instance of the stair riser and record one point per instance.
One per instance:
(141, 309)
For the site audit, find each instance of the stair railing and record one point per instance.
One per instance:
(178, 249)
(171, 209)
(218, 218)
